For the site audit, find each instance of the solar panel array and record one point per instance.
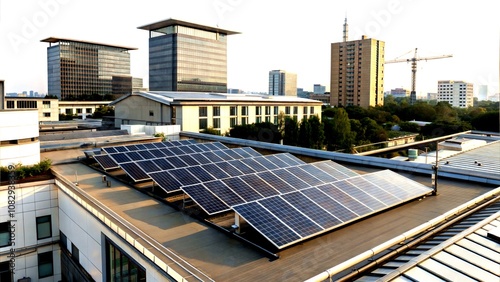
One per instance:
(288, 218)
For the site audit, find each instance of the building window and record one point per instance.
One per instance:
(244, 110)
(63, 240)
(5, 274)
(202, 111)
(88, 110)
(232, 122)
(75, 253)
(203, 124)
(244, 121)
(312, 110)
(258, 110)
(46, 114)
(275, 110)
(258, 119)
(216, 111)
(10, 104)
(151, 113)
(43, 227)
(305, 110)
(287, 110)
(46, 104)
(27, 104)
(216, 123)
(232, 111)
(45, 265)
(268, 119)
(69, 112)
(4, 234)
(275, 120)
(79, 110)
(120, 267)
(295, 110)
(268, 110)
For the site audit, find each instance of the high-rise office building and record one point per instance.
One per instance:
(187, 57)
(82, 70)
(357, 72)
(458, 94)
(319, 89)
(282, 83)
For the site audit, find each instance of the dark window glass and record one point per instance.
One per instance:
(63, 240)
(203, 111)
(4, 234)
(43, 227)
(121, 267)
(216, 112)
(75, 253)
(203, 123)
(45, 265)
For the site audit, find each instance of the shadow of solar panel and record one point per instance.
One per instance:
(277, 161)
(121, 149)
(165, 181)
(259, 185)
(242, 189)
(267, 224)
(221, 154)
(200, 173)
(311, 210)
(348, 201)
(134, 171)
(186, 149)
(233, 154)
(140, 147)
(159, 145)
(253, 164)
(263, 161)
(205, 199)
(290, 216)
(212, 157)
(134, 156)
(291, 179)
(106, 162)
(167, 152)
(157, 153)
(216, 171)
(148, 166)
(146, 155)
(229, 168)
(201, 158)
(110, 150)
(184, 176)
(188, 159)
(176, 151)
(304, 176)
(149, 146)
(131, 148)
(241, 166)
(223, 192)
(276, 182)
(373, 190)
(318, 173)
(334, 207)
(163, 164)
(120, 158)
(176, 161)
(359, 195)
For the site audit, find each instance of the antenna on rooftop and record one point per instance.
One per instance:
(346, 29)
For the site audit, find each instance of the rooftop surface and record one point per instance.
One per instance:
(59, 39)
(224, 258)
(170, 22)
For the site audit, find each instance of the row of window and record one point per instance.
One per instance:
(203, 111)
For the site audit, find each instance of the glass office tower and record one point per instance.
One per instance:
(80, 70)
(187, 57)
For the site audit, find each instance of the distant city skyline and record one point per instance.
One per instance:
(299, 44)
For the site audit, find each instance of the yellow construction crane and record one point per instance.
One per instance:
(413, 95)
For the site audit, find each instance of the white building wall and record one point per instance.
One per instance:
(22, 127)
(31, 200)
(458, 94)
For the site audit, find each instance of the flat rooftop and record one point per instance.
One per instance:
(170, 22)
(60, 39)
(225, 258)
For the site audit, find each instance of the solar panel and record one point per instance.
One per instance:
(190, 141)
(148, 166)
(298, 222)
(120, 158)
(163, 164)
(342, 169)
(277, 161)
(157, 153)
(106, 162)
(265, 163)
(334, 207)
(387, 184)
(140, 147)
(188, 159)
(146, 155)
(121, 149)
(212, 156)
(201, 158)
(167, 152)
(184, 176)
(211, 146)
(229, 168)
(149, 146)
(168, 144)
(267, 224)
(359, 195)
(176, 151)
(324, 166)
(176, 161)
(200, 173)
(202, 147)
(254, 164)
(348, 201)
(220, 146)
(195, 148)
(232, 153)
(110, 150)
(186, 149)
(205, 199)
(216, 171)
(311, 209)
(251, 151)
(276, 182)
(165, 181)
(241, 166)
(291, 179)
(159, 145)
(221, 154)
(318, 173)
(223, 192)
(176, 143)
(304, 176)
(259, 185)
(290, 159)
(134, 171)
(373, 190)
(131, 148)
(242, 189)
(134, 156)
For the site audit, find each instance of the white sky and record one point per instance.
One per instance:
(276, 34)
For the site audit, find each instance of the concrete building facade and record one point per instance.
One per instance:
(282, 83)
(48, 109)
(19, 137)
(458, 94)
(400, 93)
(357, 73)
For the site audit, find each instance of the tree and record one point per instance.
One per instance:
(211, 131)
(445, 113)
(305, 137)
(409, 127)
(422, 111)
(489, 121)
(338, 132)
(317, 132)
(373, 132)
(291, 132)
